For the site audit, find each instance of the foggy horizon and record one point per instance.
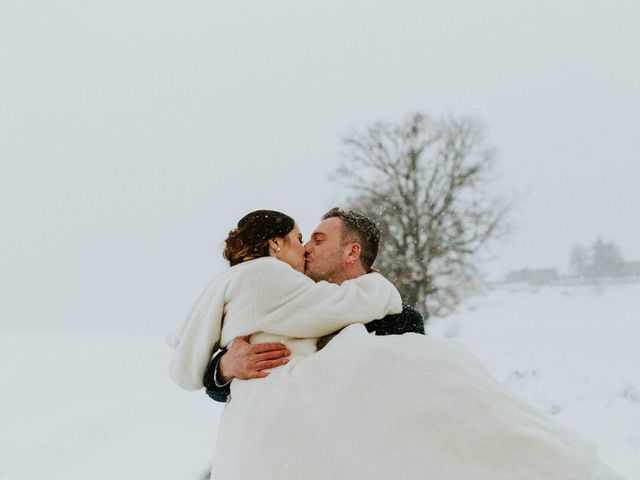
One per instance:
(135, 135)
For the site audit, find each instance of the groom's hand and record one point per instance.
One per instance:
(245, 361)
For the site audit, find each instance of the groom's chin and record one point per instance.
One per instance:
(307, 271)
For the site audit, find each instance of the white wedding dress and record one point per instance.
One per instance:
(364, 407)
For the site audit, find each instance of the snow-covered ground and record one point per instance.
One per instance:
(103, 407)
(572, 351)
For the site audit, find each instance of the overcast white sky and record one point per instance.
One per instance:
(134, 134)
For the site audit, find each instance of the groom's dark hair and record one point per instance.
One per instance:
(359, 229)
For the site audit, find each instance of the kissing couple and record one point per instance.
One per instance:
(379, 400)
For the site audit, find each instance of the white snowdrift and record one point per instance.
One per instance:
(103, 407)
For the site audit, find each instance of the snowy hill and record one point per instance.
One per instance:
(571, 351)
(100, 407)
(103, 407)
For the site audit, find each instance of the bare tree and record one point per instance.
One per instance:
(602, 260)
(579, 261)
(427, 183)
(606, 260)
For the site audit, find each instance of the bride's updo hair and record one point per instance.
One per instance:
(250, 239)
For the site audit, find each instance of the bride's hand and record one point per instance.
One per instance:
(245, 361)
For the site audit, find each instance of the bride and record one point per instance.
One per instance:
(363, 407)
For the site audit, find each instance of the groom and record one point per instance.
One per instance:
(342, 247)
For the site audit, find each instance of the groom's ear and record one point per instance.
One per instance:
(353, 255)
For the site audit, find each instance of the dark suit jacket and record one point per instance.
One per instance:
(407, 321)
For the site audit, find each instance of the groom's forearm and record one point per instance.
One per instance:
(244, 361)
(216, 389)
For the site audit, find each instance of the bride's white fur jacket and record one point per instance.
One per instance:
(364, 407)
(267, 295)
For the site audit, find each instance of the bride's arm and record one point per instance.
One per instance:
(289, 303)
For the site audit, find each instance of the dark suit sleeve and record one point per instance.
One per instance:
(407, 321)
(219, 394)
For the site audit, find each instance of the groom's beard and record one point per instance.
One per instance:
(331, 276)
(330, 270)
